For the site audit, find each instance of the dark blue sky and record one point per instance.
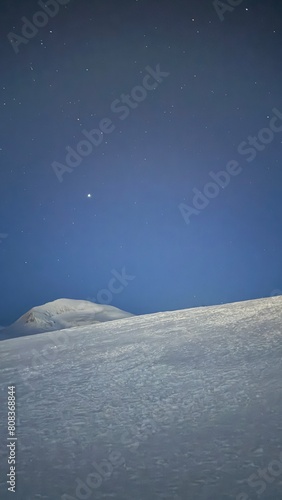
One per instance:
(224, 81)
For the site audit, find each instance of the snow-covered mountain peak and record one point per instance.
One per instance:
(60, 314)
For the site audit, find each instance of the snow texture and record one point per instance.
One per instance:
(182, 405)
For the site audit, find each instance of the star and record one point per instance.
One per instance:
(89, 195)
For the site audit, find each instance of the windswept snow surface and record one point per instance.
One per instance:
(182, 405)
(60, 314)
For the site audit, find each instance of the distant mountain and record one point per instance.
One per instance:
(61, 314)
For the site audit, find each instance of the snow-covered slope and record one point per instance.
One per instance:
(60, 314)
(172, 406)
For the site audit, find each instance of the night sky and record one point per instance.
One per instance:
(175, 90)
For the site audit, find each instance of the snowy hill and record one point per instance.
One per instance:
(172, 406)
(60, 314)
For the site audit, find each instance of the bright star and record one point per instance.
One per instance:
(89, 195)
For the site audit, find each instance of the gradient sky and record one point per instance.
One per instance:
(224, 80)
